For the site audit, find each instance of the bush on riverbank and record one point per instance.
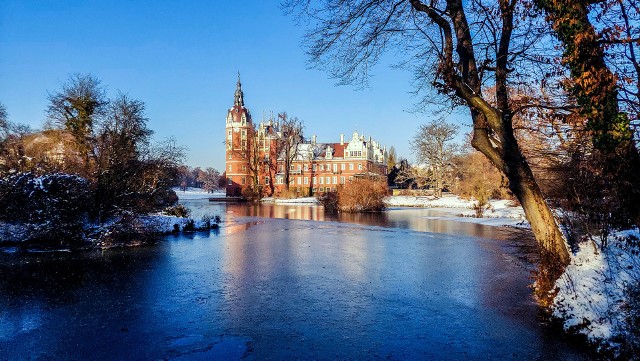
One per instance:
(58, 210)
(360, 195)
(55, 206)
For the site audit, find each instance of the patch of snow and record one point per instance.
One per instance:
(10, 232)
(592, 292)
(166, 224)
(499, 212)
(304, 200)
(197, 193)
(447, 201)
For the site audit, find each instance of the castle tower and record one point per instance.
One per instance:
(239, 130)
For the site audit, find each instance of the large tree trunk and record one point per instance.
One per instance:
(512, 163)
(540, 217)
(493, 131)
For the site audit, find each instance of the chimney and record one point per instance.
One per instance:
(313, 139)
(341, 139)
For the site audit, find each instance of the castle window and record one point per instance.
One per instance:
(230, 168)
(359, 166)
(341, 180)
(229, 181)
(314, 180)
(314, 167)
(306, 180)
(244, 180)
(299, 180)
(350, 166)
(229, 155)
(266, 180)
(306, 167)
(328, 180)
(321, 180)
(343, 166)
(335, 180)
(321, 167)
(335, 168)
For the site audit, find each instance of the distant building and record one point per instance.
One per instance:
(252, 159)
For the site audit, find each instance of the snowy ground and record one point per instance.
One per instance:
(166, 224)
(305, 200)
(593, 292)
(197, 193)
(454, 208)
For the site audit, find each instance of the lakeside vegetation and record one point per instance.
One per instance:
(90, 176)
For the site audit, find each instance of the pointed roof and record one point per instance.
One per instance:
(238, 95)
(238, 113)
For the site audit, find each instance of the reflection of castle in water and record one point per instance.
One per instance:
(299, 212)
(419, 220)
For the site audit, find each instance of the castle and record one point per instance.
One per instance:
(255, 157)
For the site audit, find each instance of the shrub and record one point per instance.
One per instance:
(190, 226)
(362, 195)
(330, 201)
(178, 210)
(289, 194)
(55, 205)
(250, 194)
(477, 178)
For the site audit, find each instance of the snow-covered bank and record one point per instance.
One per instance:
(304, 200)
(115, 232)
(595, 296)
(197, 193)
(167, 224)
(454, 208)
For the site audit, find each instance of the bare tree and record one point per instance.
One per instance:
(460, 48)
(289, 138)
(433, 147)
(76, 107)
(4, 125)
(210, 178)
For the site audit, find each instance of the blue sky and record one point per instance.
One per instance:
(182, 58)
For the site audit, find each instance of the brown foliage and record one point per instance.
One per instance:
(476, 177)
(362, 195)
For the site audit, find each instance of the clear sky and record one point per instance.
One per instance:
(181, 58)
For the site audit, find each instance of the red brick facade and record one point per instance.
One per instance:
(318, 168)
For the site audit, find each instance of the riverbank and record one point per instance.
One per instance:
(121, 231)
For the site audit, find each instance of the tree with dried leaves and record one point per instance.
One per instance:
(460, 48)
(599, 40)
(392, 159)
(434, 147)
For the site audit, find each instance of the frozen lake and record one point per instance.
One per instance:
(284, 282)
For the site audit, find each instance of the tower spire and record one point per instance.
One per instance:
(238, 96)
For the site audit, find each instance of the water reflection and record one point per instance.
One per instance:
(281, 282)
(416, 219)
